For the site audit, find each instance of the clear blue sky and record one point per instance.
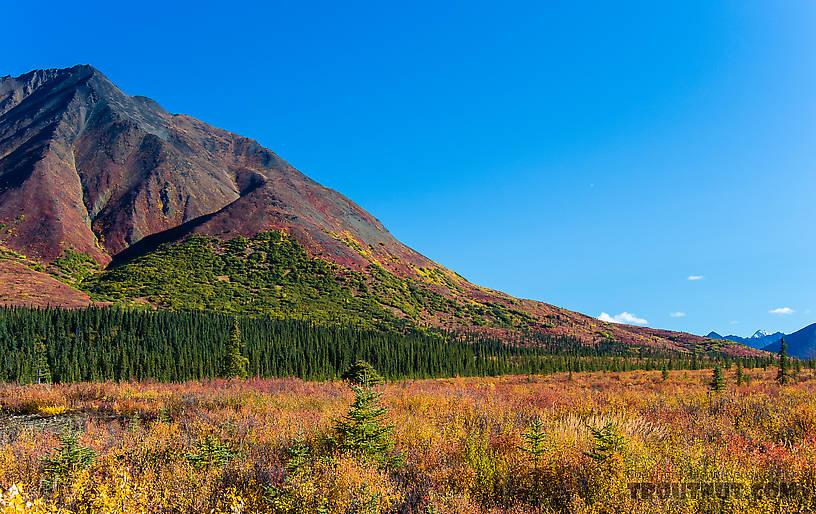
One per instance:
(594, 155)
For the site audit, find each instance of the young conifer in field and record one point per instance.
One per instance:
(299, 457)
(782, 375)
(535, 438)
(362, 431)
(609, 444)
(717, 383)
(740, 374)
(59, 468)
(362, 373)
(210, 452)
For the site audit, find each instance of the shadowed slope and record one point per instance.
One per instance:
(801, 344)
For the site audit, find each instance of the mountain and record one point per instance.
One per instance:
(84, 166)
(801, 344)
(107, 197)
(759, 339)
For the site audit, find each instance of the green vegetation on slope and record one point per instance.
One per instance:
(73, 267)
(11, 255)
(272, 274)
(269, 274)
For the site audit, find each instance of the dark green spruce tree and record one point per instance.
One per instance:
(234, 364)
(42, 371)
(362, 373)
(783, 375)
(536, 439)
(363, 432)
(717, 380)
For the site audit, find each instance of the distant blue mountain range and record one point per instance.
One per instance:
(801, 344)
(759, 340)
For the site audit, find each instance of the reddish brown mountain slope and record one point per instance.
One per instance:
(20, 285)
(83, 165)
(87, 168)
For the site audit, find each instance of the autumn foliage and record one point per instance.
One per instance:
(510, 444)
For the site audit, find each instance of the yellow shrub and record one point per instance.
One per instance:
(53, 410)
(16, 501)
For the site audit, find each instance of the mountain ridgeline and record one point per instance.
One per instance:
(107, 198)
(759, 340)
(801, 344)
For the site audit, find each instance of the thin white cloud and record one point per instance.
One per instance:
(695, 277)
(782, 310)
(624, 317)
(677, 314)
(734, 322)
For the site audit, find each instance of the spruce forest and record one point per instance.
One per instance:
(108, 343)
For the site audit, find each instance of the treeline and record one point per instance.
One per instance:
(98, 344)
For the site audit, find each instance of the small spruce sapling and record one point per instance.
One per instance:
(362, 431)
(609, 444)
(210, 452)
(299, 457)
(783, 374)
(717, 383)
(70, 457)
(535, 437)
